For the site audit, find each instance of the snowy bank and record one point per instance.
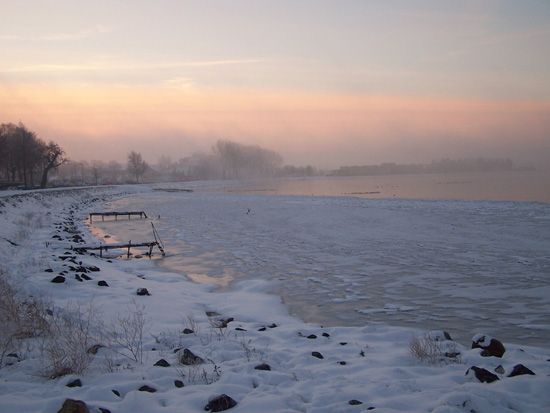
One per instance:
(240, 342)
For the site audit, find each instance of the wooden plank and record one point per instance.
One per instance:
(116, 214)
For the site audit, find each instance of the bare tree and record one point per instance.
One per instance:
(165, 163)
(52, 157)
(26, 153)
(238, 161)
(136, 165)
(97, 168)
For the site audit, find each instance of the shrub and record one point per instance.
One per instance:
(72, 331)
(21, 318)
(126, 333)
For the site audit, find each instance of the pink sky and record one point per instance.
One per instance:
(347, 83)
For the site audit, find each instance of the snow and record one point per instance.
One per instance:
(362, 276)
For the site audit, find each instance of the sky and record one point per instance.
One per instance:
(326, 83)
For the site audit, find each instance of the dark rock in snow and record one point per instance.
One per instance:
(59, 279)
(84, 276)
(178, 383)
(220, 403)
(240, 329)
(77, 277)
(142, 291)
(75, 383)
(491, 346)
(317, 354)
(147, 388)
(355, 402)
(103, 410)
(102, 283)
(48, 270)
(162, 363)
(187, 331)
(312, 337)
(94, 349)
(74, 406)
(116, 392)
(262, 329)
(264, 366)
(499, 369)
(484, 376)
(520, 370)
(327, 335)
(94, 268)
(188, 358)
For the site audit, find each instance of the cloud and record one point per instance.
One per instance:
(82, 34)
(9, 37)
(130, 66)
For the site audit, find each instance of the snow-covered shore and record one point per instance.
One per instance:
(312, 369)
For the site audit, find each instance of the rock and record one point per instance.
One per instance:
(187, 331)
(162, 363)
(74, 406)
(102, 283)
(491, 346)
(355, 402)
(142, 291)
(77, 278)
(188, 358)
(212, 314)
(48, 270)
(75, 383)
(220, 403)
(94, 349)
(178, 383)
(103, 410)
(520, 370)
(317, 354)
(484, 376)
(264, 366)
(342, 363)
(59, 279)
(262, 329)
(312, 337)
(93, 268)
(148, 389)
(87, 278)
(499, 369)
(273, 325)
(327, 335)
(240, 329)
(116, 392)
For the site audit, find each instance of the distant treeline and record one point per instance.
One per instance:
(443, 166)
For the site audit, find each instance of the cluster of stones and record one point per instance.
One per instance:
(491, 347)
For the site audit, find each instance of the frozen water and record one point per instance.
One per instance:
(461, 266)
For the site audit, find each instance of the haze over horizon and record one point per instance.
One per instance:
(324, 83)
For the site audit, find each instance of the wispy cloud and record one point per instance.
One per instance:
(82, 34)
(9, 37)
(117, 66)
(179, 83)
